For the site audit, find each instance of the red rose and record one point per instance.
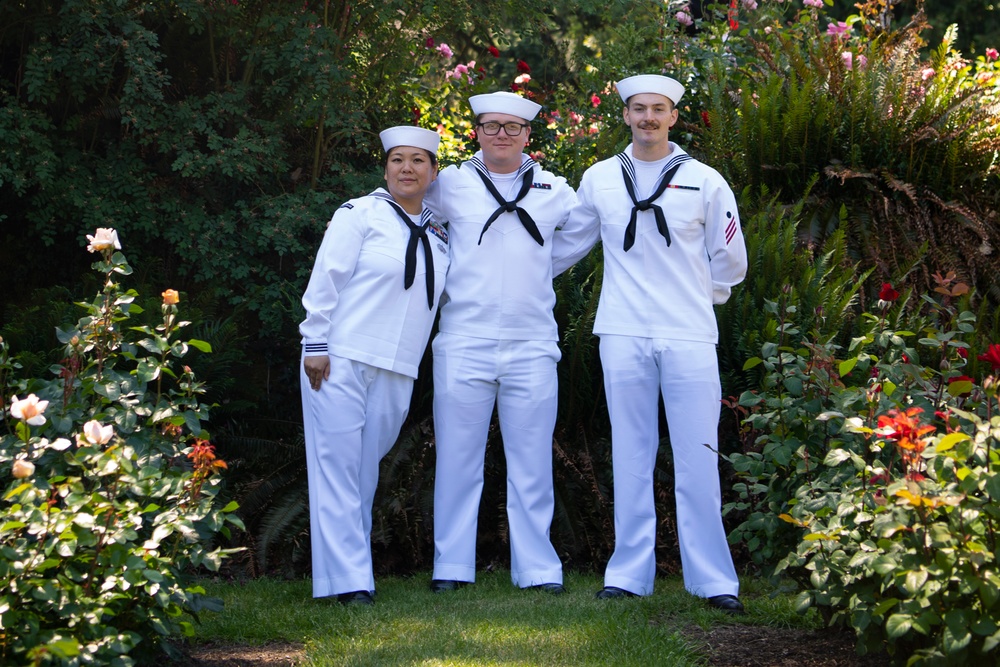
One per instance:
(523, 67)
(429, 43)
(887, 293)
(494, 51)
(992, 356)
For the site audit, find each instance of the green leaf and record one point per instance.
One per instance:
(898, 625)
(993, 487)
(956, 635)
(206, 603)
(153, 575)
(913, 581)
(65, 648)
(886, 604)
(885, 564)
(889, 387)
(794, 386)
(231, 507)
(835, 457)
(847, 366)
(959, 387)
(989, 592)
(147, 370)
(205, 346)
(17, 489)
(193, 423)
(949, 441)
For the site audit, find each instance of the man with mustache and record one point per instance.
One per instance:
(672, 248)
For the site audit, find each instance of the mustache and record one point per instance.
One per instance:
(648, 125)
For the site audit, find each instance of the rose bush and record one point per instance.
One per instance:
(878, 467)
(109, 488)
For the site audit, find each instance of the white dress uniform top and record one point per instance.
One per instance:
(497, 344)
(658, 333)
(374, 332)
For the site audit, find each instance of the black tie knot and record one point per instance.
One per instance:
(645, 205)
(504, 206)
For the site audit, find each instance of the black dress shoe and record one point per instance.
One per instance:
(614, 593)
(443, 585)
(727, 603)
(551, 589)
(356, 597)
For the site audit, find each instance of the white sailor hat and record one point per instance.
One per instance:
(504, 102)
(650, 83)
(409, 135)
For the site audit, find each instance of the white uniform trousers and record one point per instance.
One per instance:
(470, 375)
(687, 374)
(350, 424)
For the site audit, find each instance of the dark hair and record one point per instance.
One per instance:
(432, 156)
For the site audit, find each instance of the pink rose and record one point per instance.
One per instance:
(29, 409)
(103, 239)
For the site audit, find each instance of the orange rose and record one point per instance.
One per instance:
(22, 469)
(171, 297)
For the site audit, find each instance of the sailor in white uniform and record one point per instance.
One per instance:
(672, 249)
(497, 344)
(370, 304)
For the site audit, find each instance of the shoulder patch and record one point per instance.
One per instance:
(347, 205)
(541, 186)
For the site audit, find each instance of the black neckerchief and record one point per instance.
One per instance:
(418, 234)
(628, 174)
(526, 171)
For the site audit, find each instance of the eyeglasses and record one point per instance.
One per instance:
(492, 128)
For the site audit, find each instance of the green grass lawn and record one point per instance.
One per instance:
(489, 623)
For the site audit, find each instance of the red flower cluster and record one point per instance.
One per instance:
(595, 101)
(494, 51)
(887, 293)
(733, 23)
(706, 119)
(202, 454)
(523, 67)
(429, 43)
(992, 356)
(906, 430)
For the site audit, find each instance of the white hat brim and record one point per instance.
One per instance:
(650, 83)
(504, 102)
(409, 135)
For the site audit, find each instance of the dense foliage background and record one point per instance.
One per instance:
(217, 137)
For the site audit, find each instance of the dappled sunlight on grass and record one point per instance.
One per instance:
(488, 623)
